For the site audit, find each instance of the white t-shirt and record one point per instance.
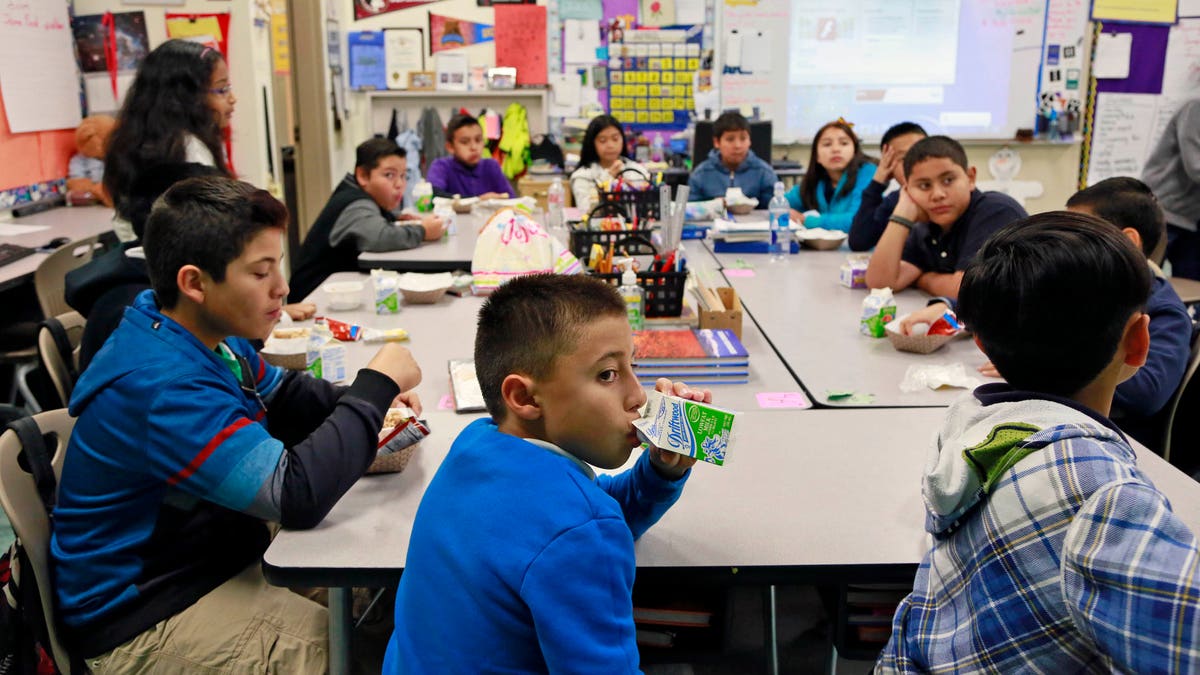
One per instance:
(194, 150)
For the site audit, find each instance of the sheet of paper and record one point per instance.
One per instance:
(691, 12)
(402, 53)
(581, 39)
(12, 229)
(1189, 8)
(1136, 11)
(521, 41)
(1112, 56)
(38, 76)
(756, 52)
(97, 87)
(1123, 123)
(655, 13)
(565, 96)
(588, 10)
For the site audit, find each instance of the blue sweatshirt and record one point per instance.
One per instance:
(755, 177)
(838, 213)
(521, 562)
(171, 472)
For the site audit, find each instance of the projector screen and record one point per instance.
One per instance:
(965, 68)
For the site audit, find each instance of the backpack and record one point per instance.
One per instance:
(24, 638)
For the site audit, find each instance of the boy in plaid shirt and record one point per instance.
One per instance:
(1051, 551)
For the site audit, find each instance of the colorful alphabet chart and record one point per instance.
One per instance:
(650, 76)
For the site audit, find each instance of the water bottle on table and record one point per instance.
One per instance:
(781, 236)
(555, 203)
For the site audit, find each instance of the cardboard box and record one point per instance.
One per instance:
(539, 186)
(731, 318)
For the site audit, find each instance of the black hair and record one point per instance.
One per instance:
(457, 122)
(1125, 202)
(372, 151)
(901, 129)
(167, 102)
(935, 147)
(205, 222)
(1049, 297)
(729, 121)
(816, 173)
(153, 182)
(527, 323)
(587, 151)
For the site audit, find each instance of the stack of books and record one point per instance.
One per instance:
(703, 356)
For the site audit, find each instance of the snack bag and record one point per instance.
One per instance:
(386, 284)
(342, 331)
(878, 310)
(689, 428)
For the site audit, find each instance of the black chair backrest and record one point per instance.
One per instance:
(760, 140)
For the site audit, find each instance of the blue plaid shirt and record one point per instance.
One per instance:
(1071, 562)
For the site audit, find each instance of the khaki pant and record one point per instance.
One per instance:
(242, 626)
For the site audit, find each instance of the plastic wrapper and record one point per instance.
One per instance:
(937, 376)
(384, 334)
(342, 331)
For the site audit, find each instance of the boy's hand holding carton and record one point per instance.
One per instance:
(679, 432)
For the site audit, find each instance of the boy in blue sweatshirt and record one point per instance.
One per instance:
(732, 163)
(187, 444)
(1129, 204)
(521, 559)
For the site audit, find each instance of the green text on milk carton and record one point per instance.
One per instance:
(686, 427)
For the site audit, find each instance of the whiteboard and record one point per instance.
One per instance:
(966, 68)
(38, 76)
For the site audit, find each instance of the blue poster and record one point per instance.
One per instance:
(367, 66)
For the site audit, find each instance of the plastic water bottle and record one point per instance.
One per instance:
(656, 148)
(780, 234)
(555, 202)
(634, 297)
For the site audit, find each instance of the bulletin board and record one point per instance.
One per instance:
(35, 163)
(650, 78)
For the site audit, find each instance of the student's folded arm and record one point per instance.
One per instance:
(497, 181)
(643, 495)
(793, 198)
(940, 283)
(579, 593)
(1130, 579)
(1154, 383)
(439, 179)
(867, 226)
(299, 404)
(362, 222)
(696, 186)
(831, 221)
(887, 268)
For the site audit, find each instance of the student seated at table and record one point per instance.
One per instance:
(1129, 204)
(875, 208)
(359, 216)
(466, 172)
(171, 474)
(521, 558)
(603, 156)
(731, 163)
(837, 174)
(1051, 551)
(939, 223)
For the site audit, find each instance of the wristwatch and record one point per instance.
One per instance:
(901, 220)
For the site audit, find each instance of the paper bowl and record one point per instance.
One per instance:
(463, 206)
(740, 209)
(343, 295)
(393, 463)
(424, 289)
(422, 297)
(918, 344)
(823, 244)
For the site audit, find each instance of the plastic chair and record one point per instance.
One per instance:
(1186, 398)
(50, 279)
(1187, 289)
(23, 505)
(61, 361)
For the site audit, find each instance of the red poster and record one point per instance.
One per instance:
(521, 41)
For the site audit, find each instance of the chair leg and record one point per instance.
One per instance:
(21, 383)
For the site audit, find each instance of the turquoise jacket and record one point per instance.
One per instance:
(839, 213)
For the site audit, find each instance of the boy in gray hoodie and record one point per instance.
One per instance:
(1051, 552)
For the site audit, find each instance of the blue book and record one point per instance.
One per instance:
(686, 347)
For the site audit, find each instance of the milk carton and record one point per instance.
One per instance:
(326, 357)
(878, 310)
(689, 428)
(385, 284)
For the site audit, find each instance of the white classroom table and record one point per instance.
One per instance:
(812, 320)
(451, 252)
(75, 223)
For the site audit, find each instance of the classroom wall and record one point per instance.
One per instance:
(1055, 165)
(249, 68)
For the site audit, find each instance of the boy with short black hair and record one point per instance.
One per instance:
(171, 475)
(731, 163)
(939, 222)
(1051, 550)
(466, 172)
(360, 216)
(875, 208)
(521, 558)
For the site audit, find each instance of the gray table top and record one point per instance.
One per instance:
(74, 223)
(451, 252)
(813, 321)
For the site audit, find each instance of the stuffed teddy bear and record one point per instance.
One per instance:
(85, 172)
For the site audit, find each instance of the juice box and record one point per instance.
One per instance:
(689, 428)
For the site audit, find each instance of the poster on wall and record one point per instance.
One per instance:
(110, 48)
(38, 78)
(446, 32)
(365, 9)
(211, 30)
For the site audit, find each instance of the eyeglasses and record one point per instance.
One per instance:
(222, 91)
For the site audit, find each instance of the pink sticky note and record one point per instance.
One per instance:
(783, 399)
(737, 272)
(447, 403)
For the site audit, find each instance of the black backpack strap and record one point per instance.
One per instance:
(37, 455)
(65, 350)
